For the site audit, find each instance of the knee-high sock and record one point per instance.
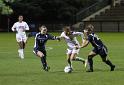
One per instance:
(69, 62)
(90, 62)
(79, 59)
(108, 62)
(44, 63)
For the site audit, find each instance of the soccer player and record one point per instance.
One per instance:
(99, 48)
(39, 46)
(72, 43)
(20, 27)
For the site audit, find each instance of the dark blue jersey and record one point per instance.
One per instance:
(95, 41)
(41, 39)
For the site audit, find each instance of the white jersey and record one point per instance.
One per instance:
(20, 27)
(71, 40)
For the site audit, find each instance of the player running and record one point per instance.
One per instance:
(39, 46)
(20, 27)
(99, 48)
(72, 43)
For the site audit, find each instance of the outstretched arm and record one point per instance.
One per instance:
(84, 43)
(53, 37)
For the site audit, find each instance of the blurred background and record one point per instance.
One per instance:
(105, 15)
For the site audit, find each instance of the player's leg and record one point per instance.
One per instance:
(21, 50)
(74, 56)
(69, 60)
(25, 39)
(20, 44)
(69, 52)
(23, 43)
(103, 53)
(90, 61)
(42, 56)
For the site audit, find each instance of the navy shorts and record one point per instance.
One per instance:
(103, 52)
(41, 50)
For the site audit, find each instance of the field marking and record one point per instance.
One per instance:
(3, 52)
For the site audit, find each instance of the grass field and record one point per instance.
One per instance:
(14, 71)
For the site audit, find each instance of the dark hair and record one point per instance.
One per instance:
(42, 26)
(20, 15)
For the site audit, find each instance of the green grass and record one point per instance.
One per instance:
(14, 71)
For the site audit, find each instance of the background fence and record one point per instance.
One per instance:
(105, 26)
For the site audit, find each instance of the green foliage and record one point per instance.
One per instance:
(4, 8)
(49, 9)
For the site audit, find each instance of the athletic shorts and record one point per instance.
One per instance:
(36, 50)
(103, 52)
(21, 37)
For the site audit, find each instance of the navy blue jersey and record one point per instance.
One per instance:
(41, 39)
(95, 41)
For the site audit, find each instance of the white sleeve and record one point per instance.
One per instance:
(79, 34)
(26, 26)
(13, 27)
(63, 35)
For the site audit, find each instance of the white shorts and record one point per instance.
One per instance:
(69, 51)
(21, 37)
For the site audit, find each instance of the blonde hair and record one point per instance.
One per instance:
(89, 27)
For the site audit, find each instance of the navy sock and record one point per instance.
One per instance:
(108, 62)
(44, 63)
(90, 61)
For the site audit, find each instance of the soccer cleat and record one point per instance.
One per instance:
(47, 68)
(71, 69)
(112, 68)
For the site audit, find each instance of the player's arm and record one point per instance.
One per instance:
(36, 40)
(85, 42)
(26, 26)
(63, 36)
(78, 34)
(50, 37)
(14, 28)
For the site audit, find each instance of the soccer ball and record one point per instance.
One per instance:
(67, 69)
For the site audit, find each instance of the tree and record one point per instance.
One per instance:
(5, 9)
(49, 10)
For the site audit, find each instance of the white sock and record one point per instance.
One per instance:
(22, 54)
(80, 59)
(19, 51)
